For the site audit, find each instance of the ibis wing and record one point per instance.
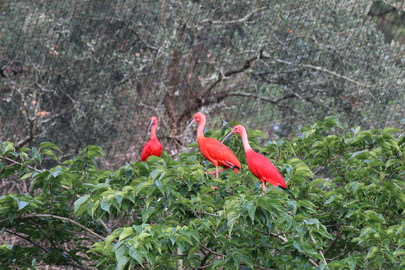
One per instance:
(263, 169)
(221, 153)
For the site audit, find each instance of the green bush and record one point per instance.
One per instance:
(344, 208)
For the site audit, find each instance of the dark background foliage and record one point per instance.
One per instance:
(94, 72)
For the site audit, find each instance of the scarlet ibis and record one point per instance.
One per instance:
(153, 147)
(258, 164)
(209, 147)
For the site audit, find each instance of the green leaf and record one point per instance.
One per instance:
(159, 185)
(134, 253)
(121, 258)
(333, 121)
(155, 173)
(126, 231)
(81, 204)
(36, 156)
(390, 130)
(312, 221)
(143, 235)
(11, 215)
(105, 206)
(373, 253)
(93, 151)
(360, 155)
(251, 211)
(232, 217)
(50, 153)
(49, 145)
(27, 175)
(7, 147)
(22, 205)
(371, 215)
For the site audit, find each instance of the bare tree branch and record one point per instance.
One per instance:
(141, 39)
(61, 218)
(26, 239)
(267, 99)
(202, 98)
(327, 71)
(241, 20)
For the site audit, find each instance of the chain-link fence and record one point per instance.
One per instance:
(93, 72)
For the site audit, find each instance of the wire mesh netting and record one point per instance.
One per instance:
(94, 72)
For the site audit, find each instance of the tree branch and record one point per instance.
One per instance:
(333, 243)
(320, 251)
(241, 20)
(267, 99)
(141, 39)
(61, 218)
(26, 239)
(211, 251)
(258, 266)
(329, 72)
(202, 100)
(18, 163)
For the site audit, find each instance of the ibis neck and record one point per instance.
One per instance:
(200, 129)
(245, 141)
(153, 131)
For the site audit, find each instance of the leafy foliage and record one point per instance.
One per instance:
(344, 208)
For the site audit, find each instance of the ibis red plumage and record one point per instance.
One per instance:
(153, 147)
(258, 164)
(209, 147)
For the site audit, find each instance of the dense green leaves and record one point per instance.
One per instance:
(344, 208)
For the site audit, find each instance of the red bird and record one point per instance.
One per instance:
(153, 147)
(258, 164)
(210, 149)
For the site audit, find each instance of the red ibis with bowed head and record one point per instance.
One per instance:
(258, 164)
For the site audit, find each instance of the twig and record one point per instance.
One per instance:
(267, 99)
(326, 162)
(25, 238)
(201, 98)
(104, 225)
(211, 251)
(61, 218)
(258, 266)
(141, 39)
(320, 251)
(282, 238)
(241, 20)
(329, 72)
(333, 243)
(16, 162)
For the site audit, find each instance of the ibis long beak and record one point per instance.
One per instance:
(185, 131)
(150, 125)
(226, 137)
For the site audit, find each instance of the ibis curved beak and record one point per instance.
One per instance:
(226, 137)
(150, 126)
(185, 131)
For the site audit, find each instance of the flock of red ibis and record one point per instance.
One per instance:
(219, 154)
